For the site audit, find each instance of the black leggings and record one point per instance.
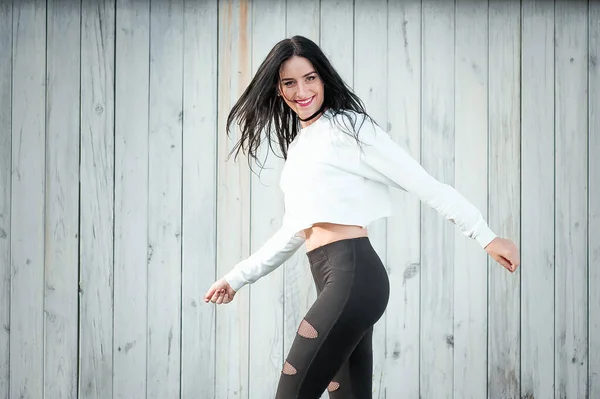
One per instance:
(332, 349)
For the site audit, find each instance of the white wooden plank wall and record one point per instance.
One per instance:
(96, 226)
(199, 198)
(471, 179)
(119, 205)
(571, 196)
(504, 197)
(131, 199)
(62, 197)
(164, 198)
(594, 200)
(6, 45)
(27, 232)
(537, 199)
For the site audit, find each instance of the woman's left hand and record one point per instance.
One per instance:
(504, 252)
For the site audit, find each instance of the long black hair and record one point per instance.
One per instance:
(260, 110)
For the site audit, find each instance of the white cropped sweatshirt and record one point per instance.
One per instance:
(329, 177)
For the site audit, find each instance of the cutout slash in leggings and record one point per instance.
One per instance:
(307, 331)
(289, 369)
(333, 386)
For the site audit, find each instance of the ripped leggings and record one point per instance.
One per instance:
(332, 349)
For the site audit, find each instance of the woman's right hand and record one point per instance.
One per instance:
(220, 292)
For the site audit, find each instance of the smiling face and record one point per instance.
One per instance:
(301, 87)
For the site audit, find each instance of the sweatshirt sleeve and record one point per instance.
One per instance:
(385, 156)
(272, 254)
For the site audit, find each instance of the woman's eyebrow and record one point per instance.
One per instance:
(284, 79)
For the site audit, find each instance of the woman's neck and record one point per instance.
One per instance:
(311, 119)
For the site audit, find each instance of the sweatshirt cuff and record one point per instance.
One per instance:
(235, 279)
(485, 236)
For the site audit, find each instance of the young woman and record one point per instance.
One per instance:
(338, 168)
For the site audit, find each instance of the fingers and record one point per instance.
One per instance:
(513, 258)
(505, 263)
(220, 293)
(504, 252)
(209, 294)
(220, 297)
(215, 296)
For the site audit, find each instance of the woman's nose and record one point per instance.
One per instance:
(302, 91)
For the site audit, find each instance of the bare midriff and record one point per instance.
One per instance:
(324, 233)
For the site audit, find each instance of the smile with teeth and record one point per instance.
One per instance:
(305, 103)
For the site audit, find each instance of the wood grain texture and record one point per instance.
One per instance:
(571, 195)
(266, 211)
(164, 198)
(96, 199)
(131, 199)
(537, 200)
(199, 198)
(336, 36)
(471, 180)
(437, 234)
(504, 196)
(302, 18)
(27, 200)
(594, 199)
(233, 199)
(370, 84)
(6, 45)
(62, 199)
(403, 229)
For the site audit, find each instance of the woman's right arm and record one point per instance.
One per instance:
(272, 254)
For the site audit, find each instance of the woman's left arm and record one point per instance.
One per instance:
(384, 155)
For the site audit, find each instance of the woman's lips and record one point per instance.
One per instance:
(305, 103)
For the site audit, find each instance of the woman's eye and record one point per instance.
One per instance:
(311, 78)
(288, 84)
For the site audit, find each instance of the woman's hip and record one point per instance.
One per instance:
(350, 270)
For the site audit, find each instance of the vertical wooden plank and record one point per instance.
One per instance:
(401, 377)
(571, 60)
(266, 355)
(537, 200)
(302, 18)
(199, 197)
(233, 199)
(437, 234)
(164, 198)
(131, 198)
(6, 45)
(504, 195)
(370, 44)
(96, 199)
(62, 199)
(27, 200)
(337, 36)
(471, 180)
(594, 199)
